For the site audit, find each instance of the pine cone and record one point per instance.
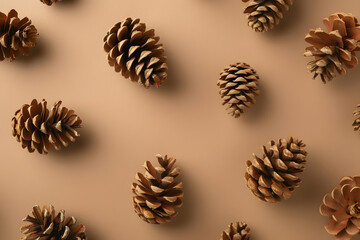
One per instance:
(335, 50)
(45, 224)
(37, 128)
(136, 53)
(236, 231)
(158, 194)
(238, 87)
(275, 175)
(50, 2)
(263, 15)
(356, 122)
(342, 206)
(16, 36)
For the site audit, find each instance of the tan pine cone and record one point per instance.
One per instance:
(37, 128)
(238, 87)
(342, 206)
(356, 123)
(50, 2)
(17, 36)
(157, 193)
(276, 174)
(263, 15)
(236, 231)
(46, 224)
(333, 50)
(136, 53)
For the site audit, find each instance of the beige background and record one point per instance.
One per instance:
(125, 124)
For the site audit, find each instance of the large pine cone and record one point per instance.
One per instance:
(50, 2)
(157, 193)
(238, 87)
(275, 175)
(16, 36)
(263, 15)
(236, 231)
(342, 206)
(46, 224)
(136, 53)
(356, 123)
(37, 128)
(333, 50)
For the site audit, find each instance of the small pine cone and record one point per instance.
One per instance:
(236, 231)
(275, 175)
(46, 224)
(136, 53)
(263, 15)
(342, 206)
(356, 123)
(50, 2)
(37, 128)
(16, 36)
(238, 87)
(157, 193)
(333, 50)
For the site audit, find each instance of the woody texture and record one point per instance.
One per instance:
(50, 2)
(356, 123)
(236, 231)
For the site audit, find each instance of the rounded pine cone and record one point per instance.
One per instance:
(342, 206)
(157, 193)
(275, 175)
(356, 123)
(136, 53)
(46, 224)
(236, 231)
(263, 15)
(333, 50)
(238, 87)
(37, 128)
(16, 36)
(49, 2)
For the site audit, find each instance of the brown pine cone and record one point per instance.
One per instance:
(263, 15)
(16, 36)
(333, 50)
(136, 53)
(37, 128)
(46, 224)
(274, 176)
(238, 87)
(356, 123)
(49, 2)
(157, 193)
(236, 231)
(342, 206)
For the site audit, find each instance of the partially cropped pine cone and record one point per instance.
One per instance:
(49, 2)
(342, 206)
(356, 123)
(263, 15)
(157, 193)
(236, 231)
(17, 36)
(136, 53)
(46, 224)
(333, 50)
(37, 128)
(238, 87)
(276, 174)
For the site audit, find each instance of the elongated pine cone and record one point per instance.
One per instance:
(238, 87)
(356, 123)
(50, 2)
(46, 224)
(263, 15)
(274, 176)
(342, 206)
(157, 193)
(37, 128)
(136, 53)
(17, 36)
(333, 50)
(236, 231)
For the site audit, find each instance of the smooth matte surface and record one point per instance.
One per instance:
(125, 124)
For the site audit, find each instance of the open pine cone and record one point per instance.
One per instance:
(263, 15)
(17, 36)
(49, 2)
(236, 231)
(46, 224)
(333, 50)
(275, 175)
(157, 193)
(136, 53)
(37, 128)
(342, 206)
(238, 87)
(356, 123)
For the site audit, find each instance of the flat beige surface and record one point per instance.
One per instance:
(125, 124)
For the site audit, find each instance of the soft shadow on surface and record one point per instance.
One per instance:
(92, 233)
(39, 52)
(67, 3)
(348, 82)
